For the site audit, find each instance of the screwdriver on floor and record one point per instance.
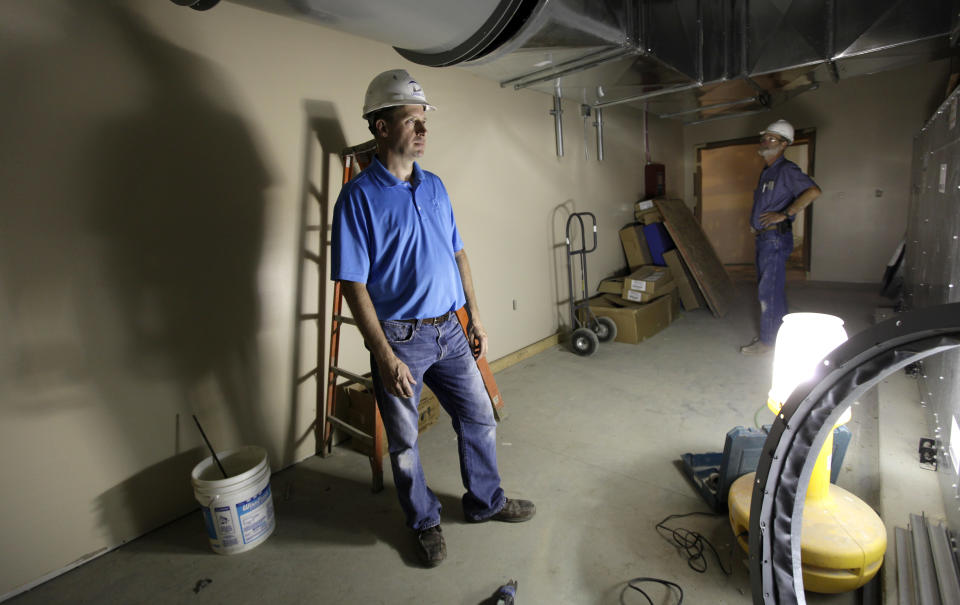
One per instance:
(507, 594)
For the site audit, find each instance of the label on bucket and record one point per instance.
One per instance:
(256, 515)
(225, 528)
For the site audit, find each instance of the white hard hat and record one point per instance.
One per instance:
(393, 88)
(780, 128)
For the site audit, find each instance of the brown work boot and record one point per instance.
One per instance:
(756, 347)
(431, 546)
(515, 511)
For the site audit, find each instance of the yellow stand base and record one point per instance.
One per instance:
(842, 542)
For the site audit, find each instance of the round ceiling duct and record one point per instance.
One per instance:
(197, 5)
(502, 24)
(435, 33)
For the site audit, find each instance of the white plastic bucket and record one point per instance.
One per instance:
(238, 509)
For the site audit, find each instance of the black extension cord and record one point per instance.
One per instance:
(693, 544)
(633, 584)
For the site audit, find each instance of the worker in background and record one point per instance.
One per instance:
(782, 193)
(396, 250)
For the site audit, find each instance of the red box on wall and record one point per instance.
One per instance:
(655, 181)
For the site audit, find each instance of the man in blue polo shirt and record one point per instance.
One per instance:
(396, 250)
(782, 193)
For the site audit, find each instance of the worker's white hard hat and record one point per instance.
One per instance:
(781, 128)
(393, 88)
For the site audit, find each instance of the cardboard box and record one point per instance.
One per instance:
(635, 323)
(685, 284)
(648, 279)
(646, 212)
(356, 405)
(648, 217)
(609, 300)
(642, 297)
(611, 285)
(429, 409)
(617, 301)
(635, 246)
(675, 307)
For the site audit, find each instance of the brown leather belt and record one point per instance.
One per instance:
(431, 321)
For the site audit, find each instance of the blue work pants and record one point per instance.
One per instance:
(773, 249)
(439, 356)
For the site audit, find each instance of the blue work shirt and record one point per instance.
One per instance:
(780, 184)
(400, 239)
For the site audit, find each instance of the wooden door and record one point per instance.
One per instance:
(728, 175)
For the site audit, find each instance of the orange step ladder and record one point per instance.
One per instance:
(371, 434)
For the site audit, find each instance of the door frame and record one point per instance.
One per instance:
(805, 135)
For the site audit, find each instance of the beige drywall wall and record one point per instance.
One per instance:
(864, 141)
(151, 190)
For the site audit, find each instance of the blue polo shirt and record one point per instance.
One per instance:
(780, 184)
(399, 238)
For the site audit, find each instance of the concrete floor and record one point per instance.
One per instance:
(595, 442)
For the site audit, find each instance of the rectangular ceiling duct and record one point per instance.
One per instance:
(695, 60)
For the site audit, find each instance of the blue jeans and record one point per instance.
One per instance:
(440, 356)
(773, 249)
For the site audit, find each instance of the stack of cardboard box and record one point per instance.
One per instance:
(646, 212)
(648, 297)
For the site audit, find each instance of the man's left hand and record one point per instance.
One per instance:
(772, 218)
(477, 337)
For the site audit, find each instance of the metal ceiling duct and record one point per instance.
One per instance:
(436, 33)
(859, 36)
(696, 60)
(692, 60)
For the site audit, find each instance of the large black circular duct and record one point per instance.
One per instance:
(503, 23)
(801, 428)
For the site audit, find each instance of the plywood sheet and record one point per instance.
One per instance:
(698, 253)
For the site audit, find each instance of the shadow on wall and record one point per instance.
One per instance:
(323, 137)
(143, 500)
(131, 227)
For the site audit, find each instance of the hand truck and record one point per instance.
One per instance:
(588, 330)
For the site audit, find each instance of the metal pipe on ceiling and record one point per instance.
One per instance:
(568, 68)
(599, 126)
(647, 95)
(724, 105)
(557, 113)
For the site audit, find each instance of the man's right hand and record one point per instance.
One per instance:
(396, 377)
